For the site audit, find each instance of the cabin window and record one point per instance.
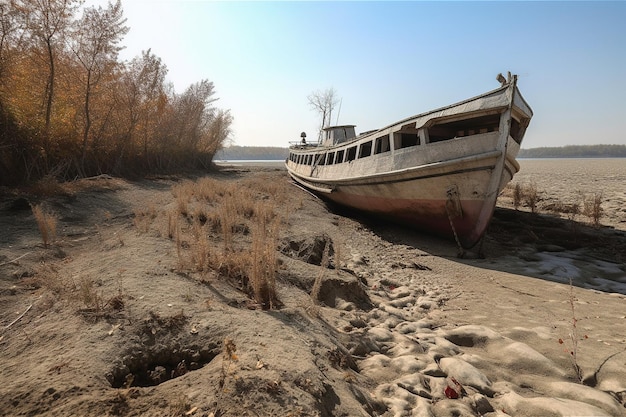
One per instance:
(516, 131)
(351, 155)
(462, 128)
(339, 158)
(321, 159)
(365, 150)
(331, 158)
(405, 140)
(382, 144)
(298, 159)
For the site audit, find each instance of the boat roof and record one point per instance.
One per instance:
(337, 127)
(491, 99)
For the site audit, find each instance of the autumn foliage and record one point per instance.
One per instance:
(70, 108)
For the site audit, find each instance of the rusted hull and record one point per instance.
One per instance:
(430, 200)
(426, 215)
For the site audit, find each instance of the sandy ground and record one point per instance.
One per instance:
(108, 319)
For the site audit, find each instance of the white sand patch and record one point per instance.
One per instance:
(586, 394)
(466, 374)
(516, 405)
(521, 357)
(471, 335)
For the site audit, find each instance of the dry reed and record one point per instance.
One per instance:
(243, 217)
(264, 261)
(47, 224)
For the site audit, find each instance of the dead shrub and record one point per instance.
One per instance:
(574, 210)
(47, 276)
(49, 186)
(592, 208)
(531, 196)
(92, 300)
(46, 222)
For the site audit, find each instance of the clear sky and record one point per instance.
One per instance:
(391, 60)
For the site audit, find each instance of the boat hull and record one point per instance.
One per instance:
(445, 198)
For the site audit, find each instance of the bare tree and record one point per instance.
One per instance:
(95, 45)
(324, 103)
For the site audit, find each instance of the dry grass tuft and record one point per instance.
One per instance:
(183, 192)
(201, 249)
(531, 196)
(49, 186)
(526, 194)
(144, 218)
(180, 406)
(90, 297)
(592, 208)
(172, 224)
(264, 261)
(227, 220)
(244, 218)
(47, 276)
(47, 224)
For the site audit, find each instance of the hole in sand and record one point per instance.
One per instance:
(309, 249)
(155, 366)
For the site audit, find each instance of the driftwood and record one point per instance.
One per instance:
(99, 177)
(16, 259)
(17, 319)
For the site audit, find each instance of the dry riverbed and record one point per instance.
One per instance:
(135, 307)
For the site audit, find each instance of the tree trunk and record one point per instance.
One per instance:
(87, 122)
(49, 99)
